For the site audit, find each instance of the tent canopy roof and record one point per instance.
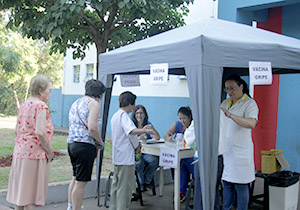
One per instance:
(210, 42)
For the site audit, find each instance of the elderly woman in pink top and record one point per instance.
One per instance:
(28, 178)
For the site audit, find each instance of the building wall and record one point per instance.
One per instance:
(60, 105)
(247, 11)
(69, 87)
(55, 106)
(161, 102)
(287, 135)
(291, 20)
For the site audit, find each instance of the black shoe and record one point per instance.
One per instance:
(135, 197)
(144, 189)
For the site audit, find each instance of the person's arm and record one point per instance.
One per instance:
(189, 135)
(242, 121)
(156, 134)
(169, 134)
(41, 133)
(94, 110)
(138, 131)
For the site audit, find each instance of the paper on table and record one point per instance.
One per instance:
(154, 141)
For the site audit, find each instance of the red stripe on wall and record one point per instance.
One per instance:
(266, 96)
(274, 22)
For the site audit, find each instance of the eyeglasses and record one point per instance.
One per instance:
(139, 113)
(230, 88)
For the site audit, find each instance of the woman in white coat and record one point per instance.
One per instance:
(241, 113)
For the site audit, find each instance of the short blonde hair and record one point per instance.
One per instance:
(39, 83)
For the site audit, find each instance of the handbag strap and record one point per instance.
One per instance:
(80, 117)
(84, 123)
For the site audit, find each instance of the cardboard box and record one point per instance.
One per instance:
(272, 161)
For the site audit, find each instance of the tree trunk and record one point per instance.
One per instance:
(101, 46)
(26, 93)
(16, 97)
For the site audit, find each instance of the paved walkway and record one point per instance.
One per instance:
(150, 202)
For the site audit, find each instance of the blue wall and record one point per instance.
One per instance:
(228, 9)
(246, 11)
(55, 106)
(288, 135)
(291, 20)
(60, 105)
(162, 111)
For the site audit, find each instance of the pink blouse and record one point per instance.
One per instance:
(27, 144)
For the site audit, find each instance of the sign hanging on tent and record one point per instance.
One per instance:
(130, 80)
(159, 73)
(260, 73)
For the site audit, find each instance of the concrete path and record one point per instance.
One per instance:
(150, 202)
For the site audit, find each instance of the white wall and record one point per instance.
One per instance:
(69, 87)
(175, 87)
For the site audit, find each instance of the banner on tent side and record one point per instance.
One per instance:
(168, 158)
(130, 80)
(260, 73)
(159, 73)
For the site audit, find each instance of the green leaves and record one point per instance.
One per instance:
(73, 7)
(121, 4)
(107, 23)
(20, 59)
(57, 32)
(98, 6)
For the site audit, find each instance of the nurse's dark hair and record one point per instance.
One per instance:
(137, 107)
(239, 81)
(126, 98)
(94, 88)
(186, 111)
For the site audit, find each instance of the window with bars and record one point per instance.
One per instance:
(76, 73)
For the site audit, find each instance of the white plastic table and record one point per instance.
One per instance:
(154, 149)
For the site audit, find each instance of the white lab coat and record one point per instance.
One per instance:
(239, 154)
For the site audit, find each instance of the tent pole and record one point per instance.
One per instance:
(107, 99)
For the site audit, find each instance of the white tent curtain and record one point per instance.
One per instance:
(205, 82)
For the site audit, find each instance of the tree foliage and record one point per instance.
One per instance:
(107, 23)
(20, 59)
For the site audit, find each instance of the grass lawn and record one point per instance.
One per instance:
(60, 169)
